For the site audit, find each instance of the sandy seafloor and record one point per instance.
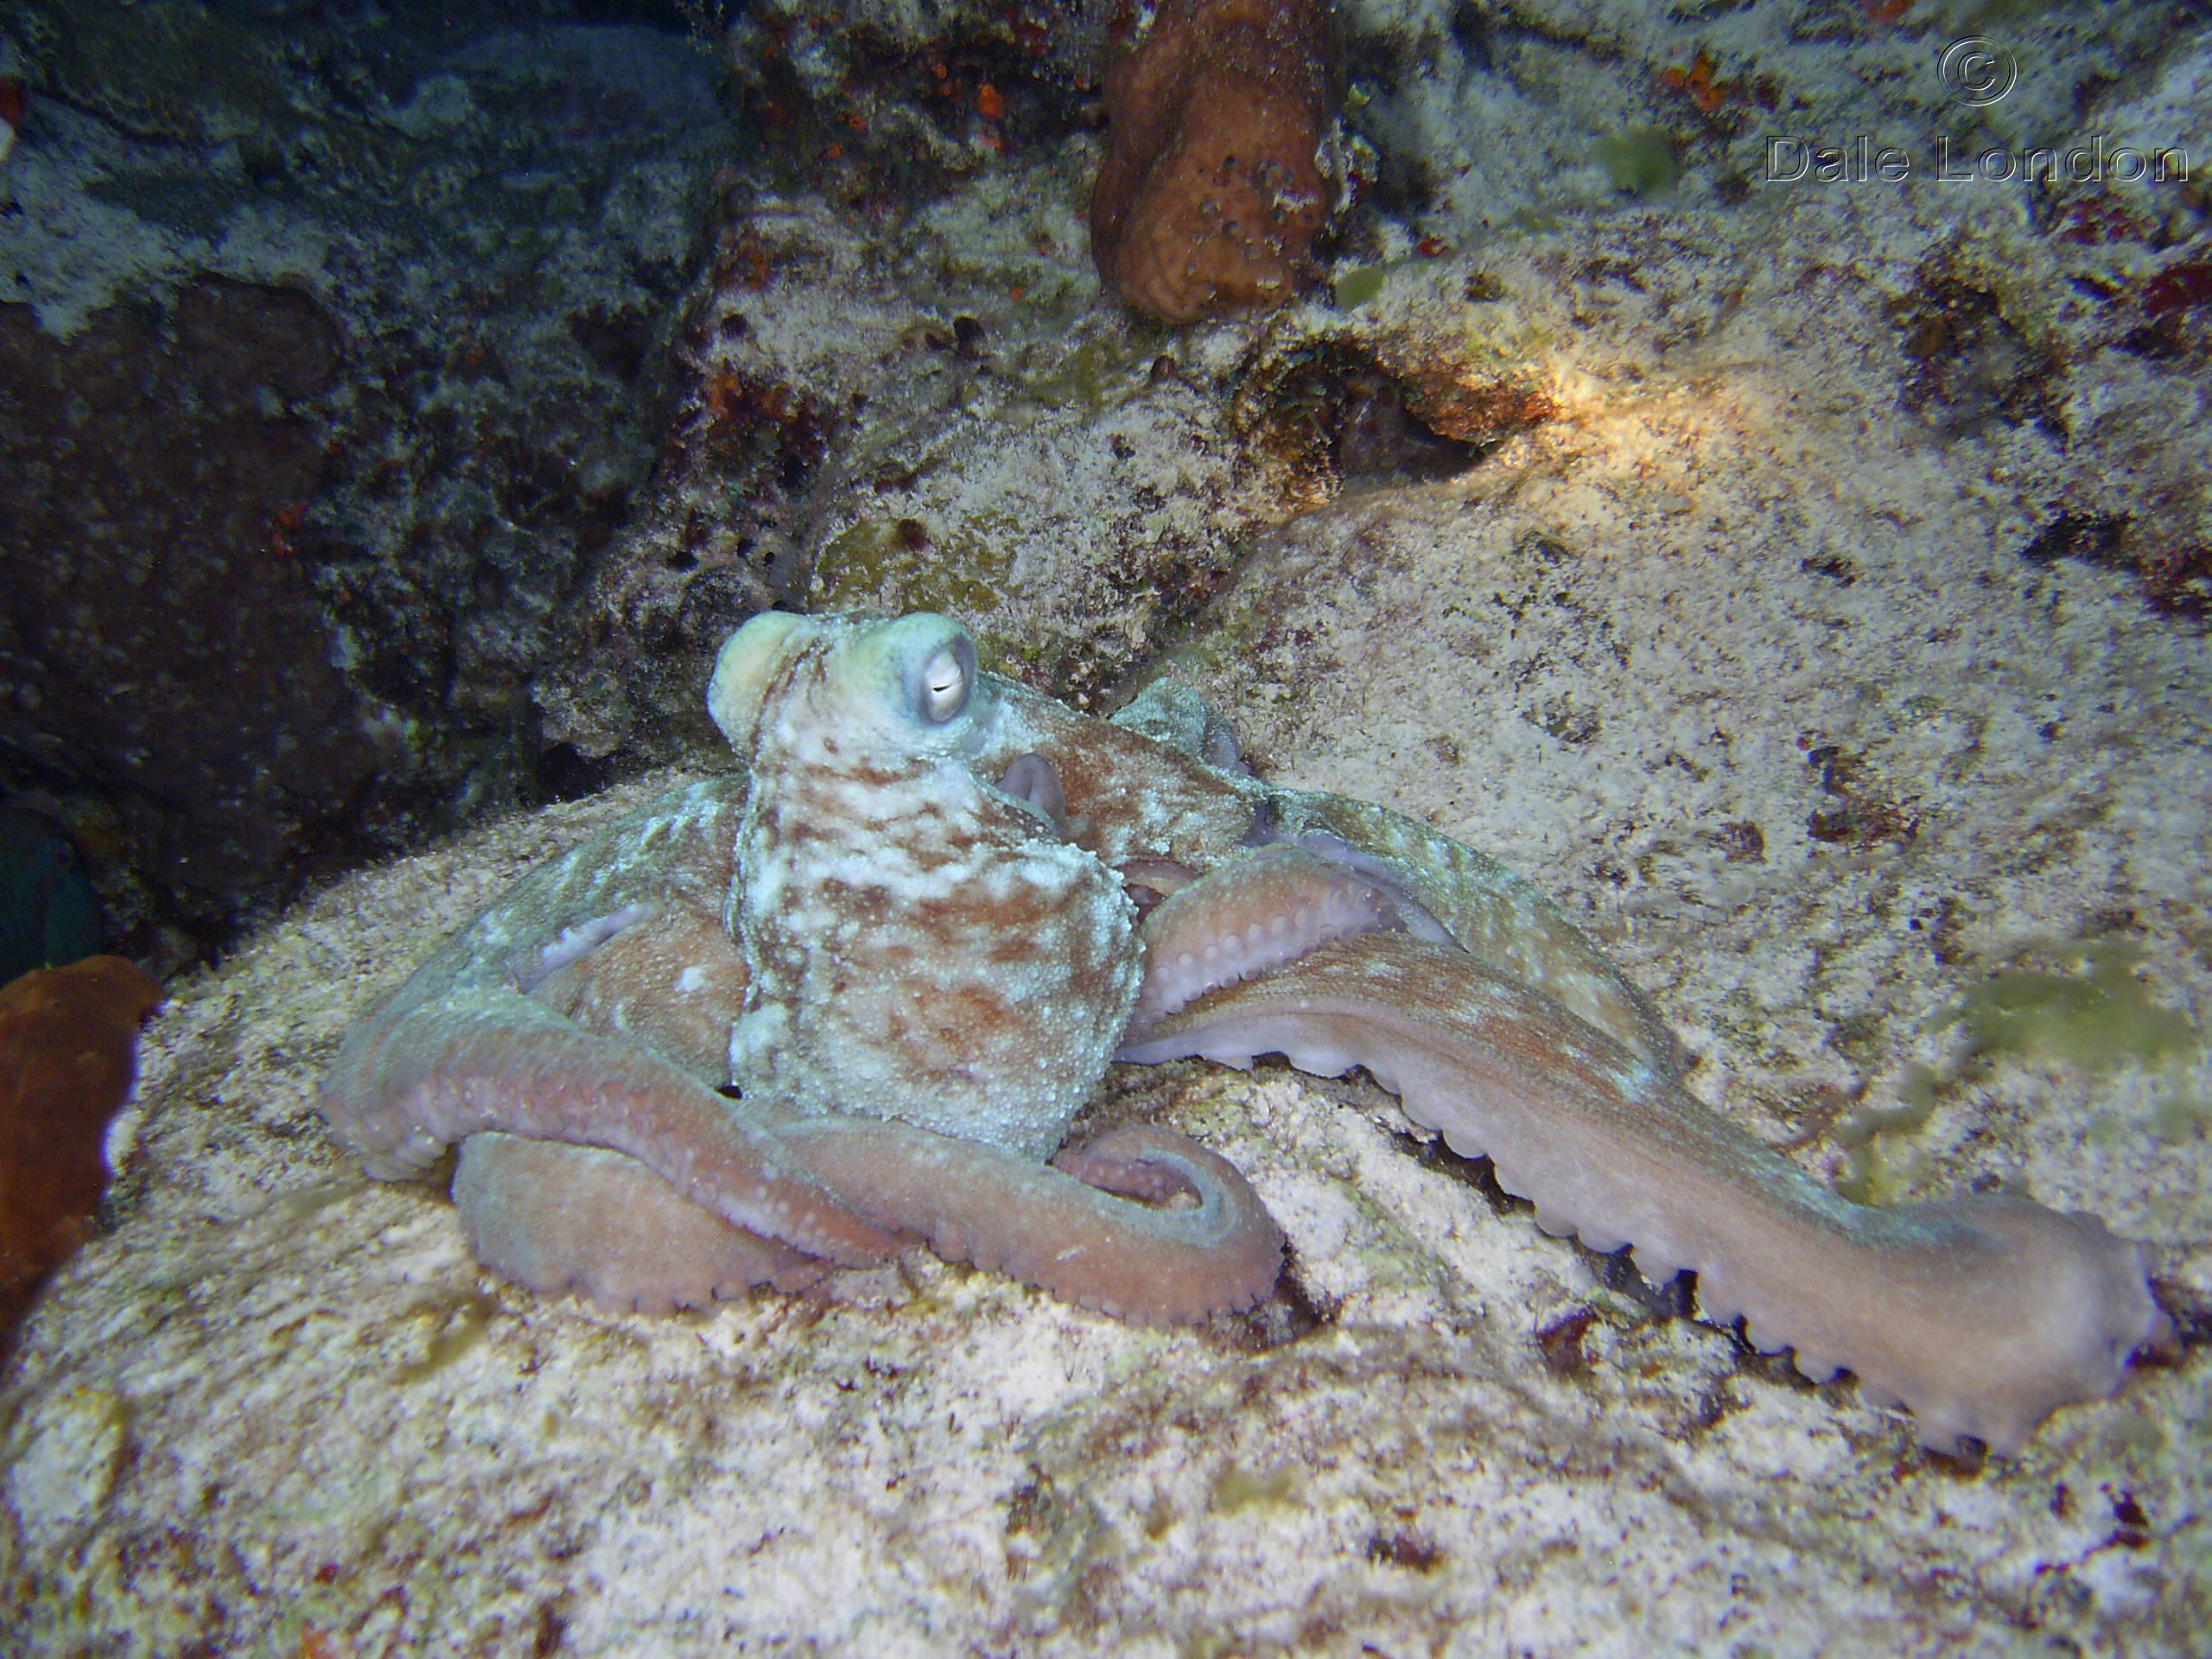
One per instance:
(1733, 592)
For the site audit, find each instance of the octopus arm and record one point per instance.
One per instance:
(1141, 1224)
(1481, 906)
(1246, 918)
(414, 1078)
(1982, 1315)
(555, 1217)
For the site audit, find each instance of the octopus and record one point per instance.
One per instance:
(851, 996)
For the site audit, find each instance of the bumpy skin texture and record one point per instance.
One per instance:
(1211, 192)
(904, 936)
(910, 979)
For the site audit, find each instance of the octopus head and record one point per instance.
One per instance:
(907, 686)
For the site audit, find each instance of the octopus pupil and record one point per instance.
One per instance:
(944, 686)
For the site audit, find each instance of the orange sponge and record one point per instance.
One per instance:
(1210, 192)
(68, 1055)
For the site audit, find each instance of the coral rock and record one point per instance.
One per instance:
(1210, 192)
(68, 1055)
(142, 471)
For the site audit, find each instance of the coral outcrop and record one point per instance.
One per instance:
(68, 1055)
(329, 359)
(1212, 190)
(150, 474)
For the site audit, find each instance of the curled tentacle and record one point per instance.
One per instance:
(1139, 1223)
(553, 1217)
(1068, 1229)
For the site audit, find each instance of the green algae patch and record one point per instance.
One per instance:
(463, 1331)
(1640, 162)
(900, 566)
(2099, 1020)
(1870, 1174)
(2180, 1117)
(304, 1203)
(1238, 1489)
(1093, 376)
(1359, 285)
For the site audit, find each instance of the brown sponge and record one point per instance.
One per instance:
(68, 1053)
(1210, 194)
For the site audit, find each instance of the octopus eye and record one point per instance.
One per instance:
(942, 690)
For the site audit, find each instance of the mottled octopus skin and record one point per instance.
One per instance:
(1334, 931)
(485, 1036)
(921, 945)
(911, 980)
